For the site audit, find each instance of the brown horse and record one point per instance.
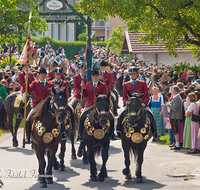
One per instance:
(44, 61)
(97, 135)
(63, 65)
(136, 132)
(46, 131)
(10, 108)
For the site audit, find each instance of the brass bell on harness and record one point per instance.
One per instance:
(143, 130)
(128, 135)
(56, 134)
(40, 133)
(146, 137)
(43, 129)
(90, 133)
(54, 131)
(67, 127)
(131, 130)
(125, 130)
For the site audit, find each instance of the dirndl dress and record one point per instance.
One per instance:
(156, 109)
(187, 133)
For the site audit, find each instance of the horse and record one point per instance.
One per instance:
(44, 61)
(46, 131)
(97, 135)
(9, 108)
(64, 65)
(136, 132)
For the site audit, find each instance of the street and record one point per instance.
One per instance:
(162, 169)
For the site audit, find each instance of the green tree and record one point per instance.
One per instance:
(80, 28)
(14, 17)
(82, 37)
(175, 22)
(116, 40)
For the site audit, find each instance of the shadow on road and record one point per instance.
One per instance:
(114, 150)
(147, 184)
(108, 184)
(18, 149)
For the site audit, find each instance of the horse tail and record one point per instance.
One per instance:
(97, 150)
(3, 119)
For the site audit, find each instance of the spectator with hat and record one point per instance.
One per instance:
(51, 74)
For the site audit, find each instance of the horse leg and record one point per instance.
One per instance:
(138, 171)
(51, 159)
(85, 155)
(17, 123)
(103, 172)
(10, 126)
(72, 134)
(93, 169)
(126, 171)
(42, 164)
(80, 150)
(62, 155)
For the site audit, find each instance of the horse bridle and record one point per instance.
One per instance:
(57, 109)
(102, 112)
(137, 114)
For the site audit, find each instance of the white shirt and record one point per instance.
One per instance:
(95, 84)
(6, 68)
(186, 104)
(192, 107)
(44, 81)
(159, 96)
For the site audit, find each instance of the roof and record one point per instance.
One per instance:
(132, 45)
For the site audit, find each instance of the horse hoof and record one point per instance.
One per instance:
(85, 162)
(62, 168)
(139, 180)
(43, 185)
(56, 166)
(128, 176)
(74, 157)
(39, 178)
(49, 180)
(93, 178)
(79, 154)
(15, 144)
(125, 171)
(101, 179)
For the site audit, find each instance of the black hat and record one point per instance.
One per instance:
(103, 63)
(80, 66)
(133, 69)
(42, 70)
(42, 48)
(111, 67)
(95, 71)
(58, 70)
(55, 63)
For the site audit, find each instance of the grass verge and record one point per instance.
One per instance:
(164, 139)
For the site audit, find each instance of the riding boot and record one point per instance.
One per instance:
(64, 135)
(40, 61)
(156, 136)
(115, 108)
(81, 127)
(19, 114)
(72, 118)
(28, 132)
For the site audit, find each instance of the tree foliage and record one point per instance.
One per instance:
(116, 40)
(175, 22)
(82, 37)
(14, 20)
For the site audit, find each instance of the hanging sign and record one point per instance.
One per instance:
(54, 5)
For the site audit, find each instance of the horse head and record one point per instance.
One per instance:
(102, 109)
(134, 105)
(58, 103)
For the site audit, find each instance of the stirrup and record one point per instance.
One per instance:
(27, 140)
(80, 138)
(19, 116)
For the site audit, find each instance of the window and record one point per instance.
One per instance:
(59, 32)
(52, 26)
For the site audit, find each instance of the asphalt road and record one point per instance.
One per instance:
(162, 169)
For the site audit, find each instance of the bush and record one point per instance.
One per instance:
(71, 48)
(7, 60)
(180, 68)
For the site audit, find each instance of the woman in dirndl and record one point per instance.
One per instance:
(157, 108)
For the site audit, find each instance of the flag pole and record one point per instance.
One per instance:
(85, 61)
(27, 62)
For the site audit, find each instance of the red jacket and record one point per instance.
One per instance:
(40, 93)
(140, 86)
(77, 85)
(22, 80)
(51, 75)
(108, 78)
(63, 85)
(89, 92)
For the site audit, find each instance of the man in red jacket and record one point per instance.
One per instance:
(51, 74)
(77, 85)
(131, 86)
(99, 88)
(41, 88)
(23, 84)
(58, 81)
(108, 79)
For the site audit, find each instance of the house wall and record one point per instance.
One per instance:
(165, 58)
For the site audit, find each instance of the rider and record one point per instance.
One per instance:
(51, 74)
(108, 79)
(77, 84)
(88, 92)
(58, 81)
(42, 89)
(22, 83)
(62, 57)
(133, 85)
(41, 55)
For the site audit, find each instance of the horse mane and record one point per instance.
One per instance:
(43, 109)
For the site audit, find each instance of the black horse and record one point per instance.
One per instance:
(10, 108)
(46, 131)
(97, 135)
(136, 132)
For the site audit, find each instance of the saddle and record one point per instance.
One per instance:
(18, 100)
